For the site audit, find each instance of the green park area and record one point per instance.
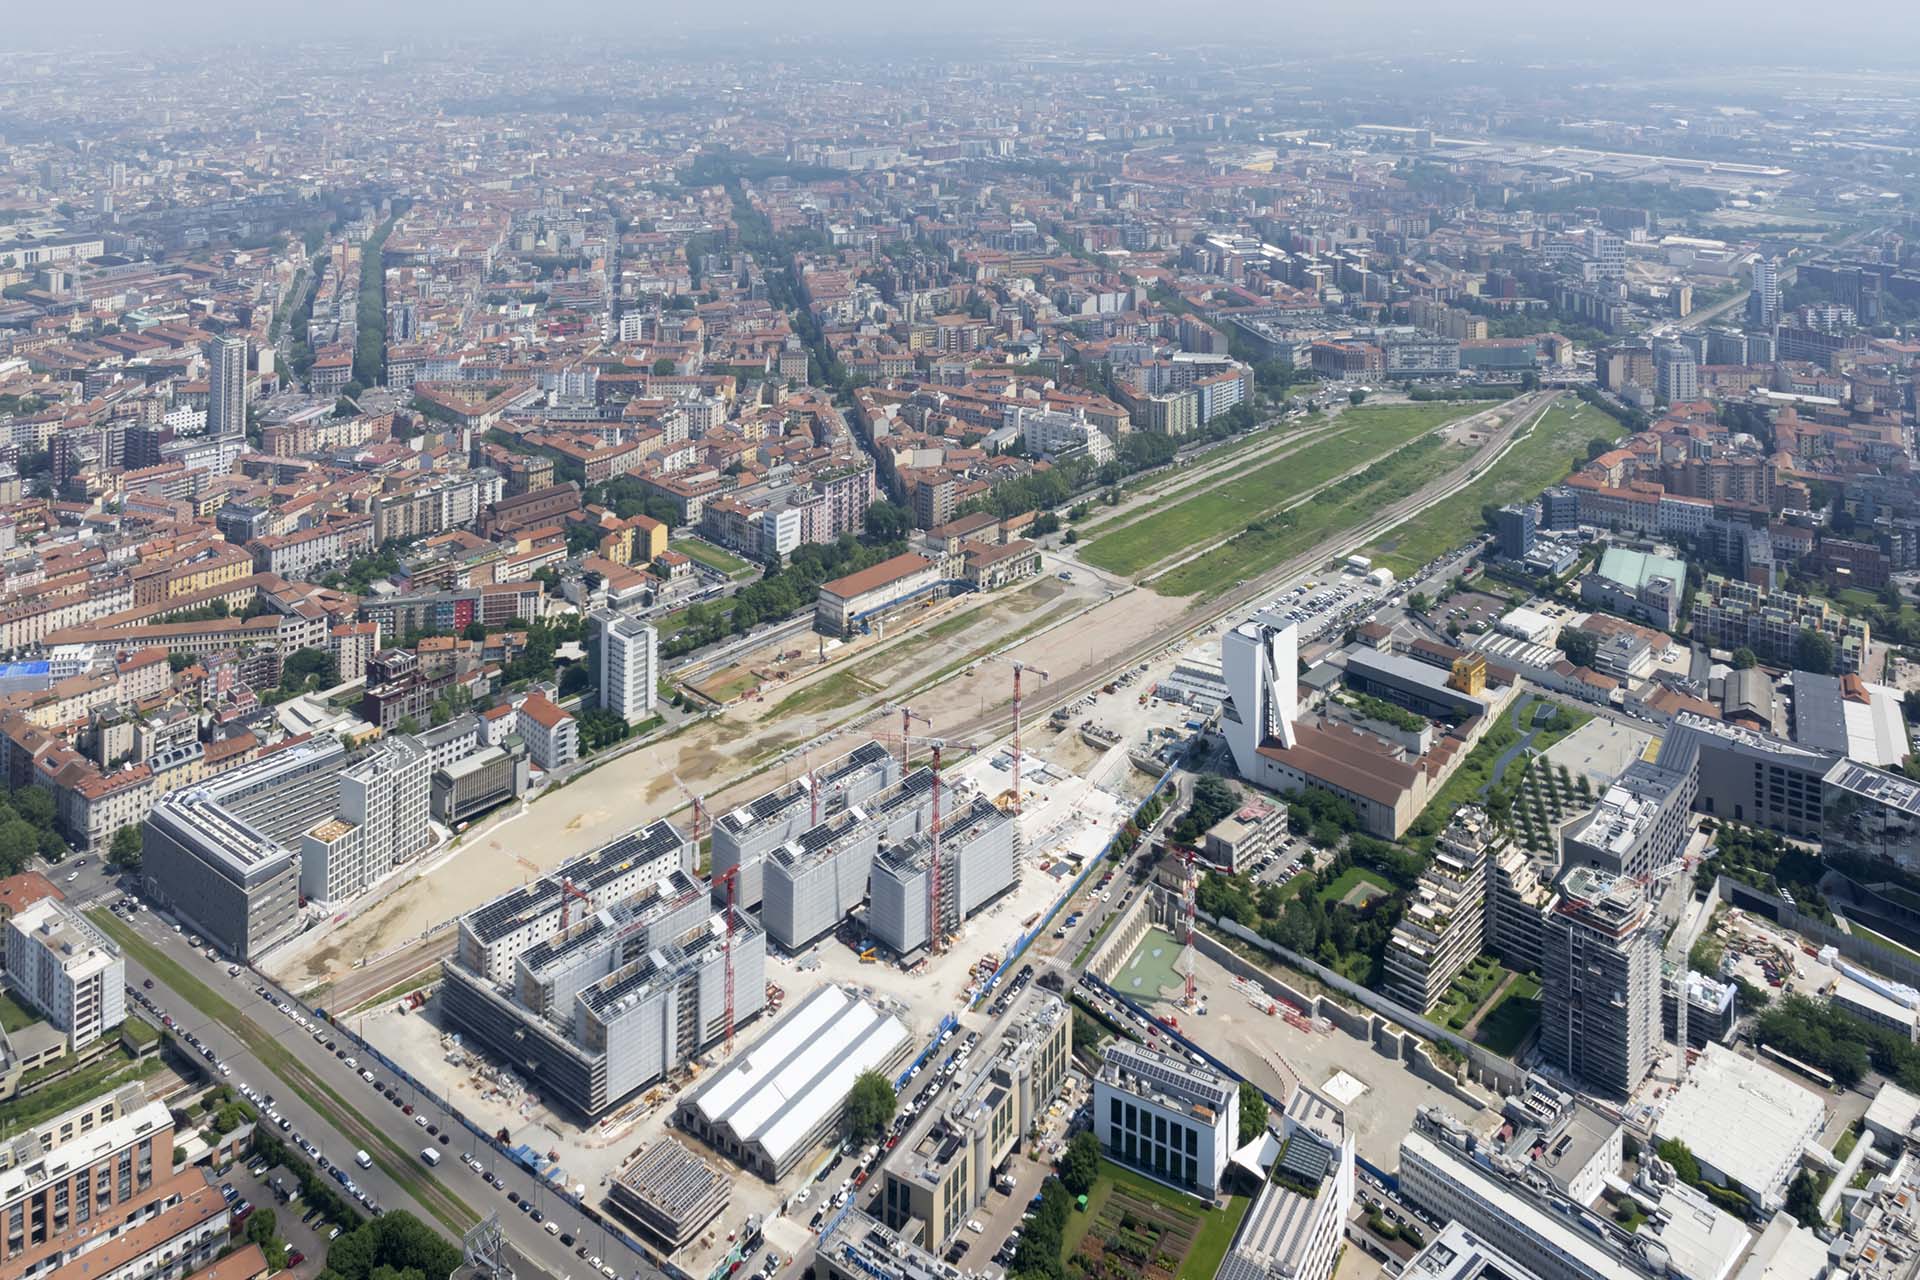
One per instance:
(1505, 1028)
(1214, 507)
(713, 557)
(1133, 1226)
(1543, 457)
(1356, 887)
(1276, 538)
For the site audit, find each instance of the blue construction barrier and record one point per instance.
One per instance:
(947, 1024)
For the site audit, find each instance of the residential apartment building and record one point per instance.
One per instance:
(1731, 614)
(62, 966)
(551, 734)
(1444, 928)
(379, 823)
(627, 664)
(1600, 988)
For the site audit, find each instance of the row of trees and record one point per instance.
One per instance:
(1843, 1046)
(780, 593)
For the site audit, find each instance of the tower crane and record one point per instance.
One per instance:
(936, 920)
(732, 877)
(907, 716)
(569, 894)
(1019, 667)
(699, 810)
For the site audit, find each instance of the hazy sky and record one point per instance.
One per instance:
(1882, 33)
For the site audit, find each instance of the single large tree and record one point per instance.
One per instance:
(870, 1106)
(1081, 1164)
(1253, 1112)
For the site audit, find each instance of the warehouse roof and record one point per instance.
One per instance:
(1742, 1118)
(775, 1093)
(887, 572)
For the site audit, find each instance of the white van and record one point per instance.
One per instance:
(362, 1159)
(430, 1155)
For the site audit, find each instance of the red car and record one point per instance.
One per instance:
(295, 1258)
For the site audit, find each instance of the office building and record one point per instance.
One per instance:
(380, 823)
(859, 1246)
(1514, 529)
(1871, 835)
(1600, 989)
(1457, 1254)
(811, 883)
(617, 999)
(777, 1101)
(1763, 300)
(943, 1168)
(63, 967)
(221, 856)
(493, 937)
(743, 836)
(1560, 510)
(1296, 1226)
(475, 783)
(1637, 586)
(627, 666)
(1748, 776)
(1640, 823)
(1712, 1006)
(1388, 782)
(1251, 832)
(226, 387)
(1171, 1119)
(979, 853)
(1525, 1206)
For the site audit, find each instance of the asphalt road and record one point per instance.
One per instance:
(330, 1130)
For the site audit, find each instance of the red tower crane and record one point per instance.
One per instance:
(731, 876)
(1018, 668)
(907, 716)
(699, 810)
(569, 893)
(936, 926)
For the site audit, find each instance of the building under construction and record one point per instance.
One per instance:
(979, 860)
(626, 993)
(815, 880)
(494, 935)
(743, 837)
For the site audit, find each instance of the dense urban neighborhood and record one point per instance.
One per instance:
(993, 657)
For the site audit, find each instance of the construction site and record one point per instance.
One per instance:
(516, 960)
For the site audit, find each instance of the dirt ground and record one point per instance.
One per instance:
(752, 745)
